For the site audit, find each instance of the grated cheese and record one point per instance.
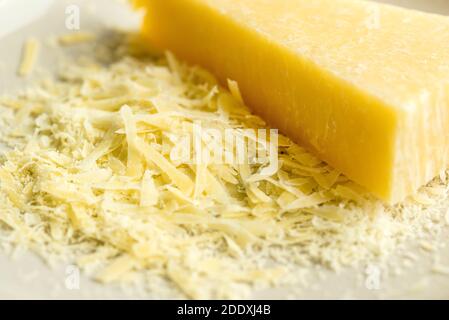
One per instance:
(75, 38)
(440, 269)
(235, 91)
(30, 53)
(89, 174)
(121, 266)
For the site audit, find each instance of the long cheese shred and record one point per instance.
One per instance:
(75, 38)
(29, 56)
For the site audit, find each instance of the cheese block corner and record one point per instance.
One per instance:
(362, 85)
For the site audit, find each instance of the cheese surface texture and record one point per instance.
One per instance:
(363, 85)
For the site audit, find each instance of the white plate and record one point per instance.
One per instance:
(28, 277)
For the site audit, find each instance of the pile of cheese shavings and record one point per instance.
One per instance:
(88, 177)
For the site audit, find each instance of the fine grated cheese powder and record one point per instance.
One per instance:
(88, 176)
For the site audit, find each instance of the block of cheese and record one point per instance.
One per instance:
(362, 85)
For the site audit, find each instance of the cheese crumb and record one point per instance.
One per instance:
(75, 38)
(440, 269)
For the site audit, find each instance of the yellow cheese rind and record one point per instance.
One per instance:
(362, 85)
